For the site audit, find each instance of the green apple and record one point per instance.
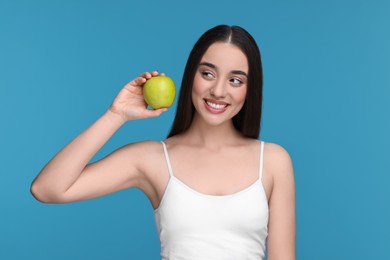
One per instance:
(159, 92)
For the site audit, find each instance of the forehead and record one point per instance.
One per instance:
(226, 56)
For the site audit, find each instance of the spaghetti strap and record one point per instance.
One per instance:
(261, 159)
(167, 159)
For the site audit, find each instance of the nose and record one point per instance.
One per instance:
(219, 90)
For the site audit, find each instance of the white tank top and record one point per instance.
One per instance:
(192, 225)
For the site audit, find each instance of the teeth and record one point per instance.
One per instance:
(216, 106)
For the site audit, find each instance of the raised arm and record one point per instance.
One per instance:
(281, 240)
(68, 178)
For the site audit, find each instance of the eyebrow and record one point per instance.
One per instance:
(208, 64)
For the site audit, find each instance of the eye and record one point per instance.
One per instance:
(207, 75)
(236, 81)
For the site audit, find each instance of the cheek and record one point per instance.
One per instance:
(199, 88)
(240, 94)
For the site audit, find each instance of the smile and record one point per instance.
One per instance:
(215, 107)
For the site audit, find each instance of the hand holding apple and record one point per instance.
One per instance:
(130, 104)
(159, 92)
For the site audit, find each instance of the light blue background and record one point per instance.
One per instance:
(326, 100)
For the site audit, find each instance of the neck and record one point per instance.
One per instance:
(212, 135)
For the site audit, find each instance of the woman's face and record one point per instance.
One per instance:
(220, 83)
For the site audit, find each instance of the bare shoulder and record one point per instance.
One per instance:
(143, 146)
(143, 152)
(147, 144)
(148, 156)
(278, 160)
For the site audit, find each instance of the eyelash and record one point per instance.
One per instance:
(239, 81)
(206, 74)
(209, 75)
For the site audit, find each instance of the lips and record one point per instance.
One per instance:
(215, 106)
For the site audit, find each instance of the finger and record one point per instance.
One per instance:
(156, 112)
(162, 74)
(140, 81)
(137, 82)
(146, 75)
(154, 73)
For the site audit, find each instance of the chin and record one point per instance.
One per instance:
(216, 120)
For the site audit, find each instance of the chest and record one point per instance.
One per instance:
(216, 172)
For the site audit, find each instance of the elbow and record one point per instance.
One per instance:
(36, 194)
(41, 195)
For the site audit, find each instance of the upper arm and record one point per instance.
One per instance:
(117, 171)
(281, 226)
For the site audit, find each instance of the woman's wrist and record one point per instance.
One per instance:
(115, 117)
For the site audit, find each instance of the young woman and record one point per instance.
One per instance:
(218, 192)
